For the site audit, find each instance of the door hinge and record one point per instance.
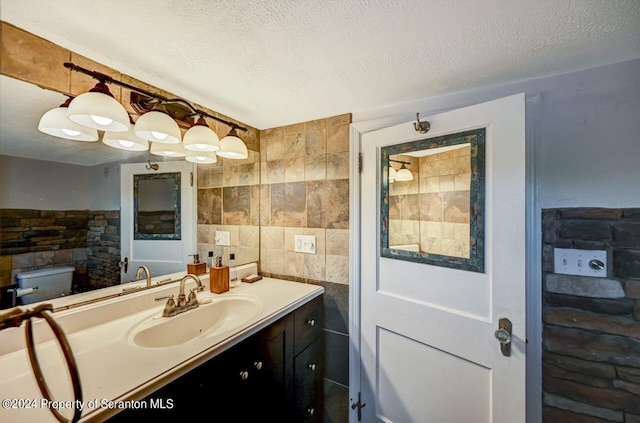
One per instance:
(359, 162)
(191, 179)
(359, 406)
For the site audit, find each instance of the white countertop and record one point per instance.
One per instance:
(111, 367)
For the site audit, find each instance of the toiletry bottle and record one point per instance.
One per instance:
(234, 281)
(212, 260)
(219, 278)
(196, 268)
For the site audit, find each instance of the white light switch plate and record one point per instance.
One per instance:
(223, 238)
(305, 244)
(580, 262)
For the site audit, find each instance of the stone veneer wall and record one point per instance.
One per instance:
(103, 250)
(35, 239)
(305, 191)
(591, 337)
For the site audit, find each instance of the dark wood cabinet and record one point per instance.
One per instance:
(275, 375)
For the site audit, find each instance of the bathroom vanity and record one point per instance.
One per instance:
(254, 351)
(274, 375)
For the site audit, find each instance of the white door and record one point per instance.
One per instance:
(161, 256)
(428, 346)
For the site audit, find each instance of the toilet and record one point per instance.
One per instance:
(46, 284)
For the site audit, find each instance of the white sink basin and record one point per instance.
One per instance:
(221, 315)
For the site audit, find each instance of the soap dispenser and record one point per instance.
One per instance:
(196, 268)
(219, 277)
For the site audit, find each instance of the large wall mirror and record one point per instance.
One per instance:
(156, 202)
(70, 192)
(432, 201)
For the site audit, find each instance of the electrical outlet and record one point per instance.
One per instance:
(223, 238)
(580, 262)
(305, 244)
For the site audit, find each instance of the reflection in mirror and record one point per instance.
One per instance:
(156, 202)
(432, 204)
(60, 205)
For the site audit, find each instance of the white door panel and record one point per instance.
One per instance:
(428, 351)
(160, 256)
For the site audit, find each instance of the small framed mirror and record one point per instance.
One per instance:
(432, 201)
(156, 203)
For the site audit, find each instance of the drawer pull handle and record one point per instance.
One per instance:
(258, 365)
(312, 367)
(311, 411)
(311, 322)
(244, 375)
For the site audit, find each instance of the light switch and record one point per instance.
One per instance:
(223, 238)
(305, 244)
(580, 262)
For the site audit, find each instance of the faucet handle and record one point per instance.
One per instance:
(169, 307)
(192, 296)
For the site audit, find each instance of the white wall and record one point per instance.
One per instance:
(36, 184)
(42, 185)
(585, 127)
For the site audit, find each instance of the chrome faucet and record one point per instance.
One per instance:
(184, 304)
(146, 272)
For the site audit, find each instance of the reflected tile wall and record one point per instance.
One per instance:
(433, 210)
(229, 200)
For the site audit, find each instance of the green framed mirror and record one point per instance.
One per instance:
(433, 201)
(156, 202)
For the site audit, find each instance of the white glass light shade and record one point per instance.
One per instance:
(404, 174)
(201, 138)
(167, 150)
(99, 111)
(158, 127)
(232, 147)
(56, 123)
(392, 174)
(125, 140)
(203, 157)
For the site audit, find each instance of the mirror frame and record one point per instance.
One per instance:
(475, 262)
(177, 233)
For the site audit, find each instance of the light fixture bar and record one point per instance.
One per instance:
(400, 161)
(107, 79)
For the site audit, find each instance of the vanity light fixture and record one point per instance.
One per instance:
(202, 157)
(232, 147)
(167, 150)
(56, 123)
(158, 127)
(158, 122)
(125, 140)
(99, 110)
(403, 174)
(392, 174)
(201, 138)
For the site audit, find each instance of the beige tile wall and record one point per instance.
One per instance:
(432, 210)
(305, 191)
(229, 200)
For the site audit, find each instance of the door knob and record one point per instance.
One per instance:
(503, 335)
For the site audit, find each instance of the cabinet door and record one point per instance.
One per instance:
(309, 372)
(308, 322)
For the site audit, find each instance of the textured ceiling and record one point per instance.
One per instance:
(272, 63)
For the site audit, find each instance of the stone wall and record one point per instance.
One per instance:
(35, 239)
(103, 250)
(591, 337)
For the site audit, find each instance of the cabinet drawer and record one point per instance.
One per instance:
(308, 324)
(308, 376)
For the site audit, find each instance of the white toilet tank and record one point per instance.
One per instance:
(49, 283)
